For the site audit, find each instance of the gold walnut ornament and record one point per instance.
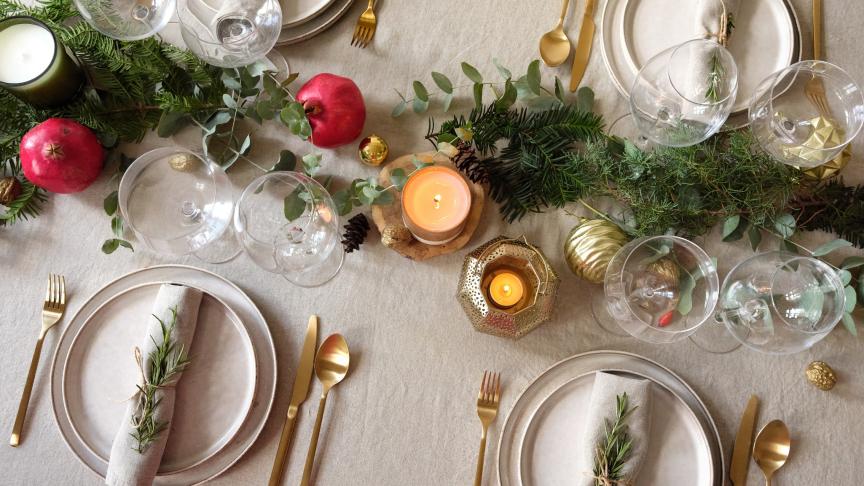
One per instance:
(590, 246)
(820, 375)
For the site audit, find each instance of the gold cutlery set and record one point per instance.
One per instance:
(770, 449)
(487, 409)
(331, 366)
(555, 45)
(52, 312)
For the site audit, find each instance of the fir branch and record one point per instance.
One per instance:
(615, 448)
(833, 207)
(166, 360)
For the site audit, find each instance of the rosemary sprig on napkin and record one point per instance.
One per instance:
(166, 361)
(615, 448)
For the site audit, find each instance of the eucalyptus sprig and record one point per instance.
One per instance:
(166, 361)
(111, 205)
(526, 88)
(615, 448)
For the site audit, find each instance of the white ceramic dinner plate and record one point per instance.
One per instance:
(766, 38)
(223, 399)
(296, 12)
(327, 17)
(537, 442)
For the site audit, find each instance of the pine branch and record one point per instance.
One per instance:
(835, 208)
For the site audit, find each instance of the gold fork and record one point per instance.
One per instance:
(365, 29)
(52, 311)
(487, 409)
(815, 89)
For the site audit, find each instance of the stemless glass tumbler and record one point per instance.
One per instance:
(781, 303)
(177, 203)
(230, 33)
(683, 95)
(289, 225)
(659, 289)
(805, 114)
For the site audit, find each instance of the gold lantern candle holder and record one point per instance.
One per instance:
(507, 287)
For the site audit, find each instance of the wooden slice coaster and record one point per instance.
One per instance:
(388, 218)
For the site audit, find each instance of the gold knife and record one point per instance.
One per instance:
(583, 46)
(743, 444)
(298, 396)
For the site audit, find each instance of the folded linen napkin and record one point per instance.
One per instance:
(709, 24)
(602, 407)
(128, 467)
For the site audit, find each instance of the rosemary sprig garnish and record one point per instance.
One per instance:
(166, 361)
(715, 74)
(615, 448)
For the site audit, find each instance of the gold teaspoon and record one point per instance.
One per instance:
(771, 448)
(554, 45)
(331, 366)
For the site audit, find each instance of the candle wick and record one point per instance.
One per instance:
(437, 200)
(506, 290)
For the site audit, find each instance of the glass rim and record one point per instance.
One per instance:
(54, 57)
(808, 66)
(831, 275)
(732, 92)
(691, 246)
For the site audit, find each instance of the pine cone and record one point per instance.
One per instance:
(10, 189)
(355, 232)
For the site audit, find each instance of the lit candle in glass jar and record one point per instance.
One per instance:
(34, 66)
(506, 289)
(435, 204)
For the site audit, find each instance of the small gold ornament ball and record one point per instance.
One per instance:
(590, 246)
(10, 189)
(394, 235)
(820, 375)
(183, 162)
(373, 150)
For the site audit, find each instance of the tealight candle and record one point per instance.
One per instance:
(506, 289)
(435, 204)
(34, 66)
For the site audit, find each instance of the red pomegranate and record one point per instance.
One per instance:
(335, 108)
(61, 155)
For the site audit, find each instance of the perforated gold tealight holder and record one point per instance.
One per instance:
(516, 256)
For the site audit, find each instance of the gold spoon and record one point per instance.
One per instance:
(331, 366)
(771, 448)
(554, 45)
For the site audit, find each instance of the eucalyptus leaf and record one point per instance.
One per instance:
(443, 82)
(420, 91)
(311, 164)
(398, 109)
(342, 200)
(294, 205)
(384, 198)
(785, 225)
(827, 248)
(787, 245)
(246, 145)
(231, 81)
(731, 225)
(117, 226)
(448, 100)
(845, 277)
(398, 178)
(110, 246)
(851, 298)
(849, 324)
(229, 101)
(287, 162)
(504, 72)
(110, 203)
(559, 90)
(257, 68)
(754, 234)
(585, 99)
(534, 77)
(686, 285)
(508, 98)
(472, 73)
(290, 79)
(419, 106)
(852, 262)
(478, 96)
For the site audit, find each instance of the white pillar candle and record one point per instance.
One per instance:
(26, 51)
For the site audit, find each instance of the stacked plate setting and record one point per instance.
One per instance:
(302, 19)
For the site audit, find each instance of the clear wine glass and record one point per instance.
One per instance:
(230, 33)
(799, 128)
(127, 20)
(781, 303)
(177, 202)
(659, 289)
(683, 95)
(289, 225)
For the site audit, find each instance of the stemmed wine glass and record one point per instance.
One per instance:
(230, 33)
(683, 95)
(777, 303)
(804, 115)
(289, 225)
(178, 202)
(658, 289)
(127, 20)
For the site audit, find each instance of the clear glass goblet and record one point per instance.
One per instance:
(177, 202)
(127, 20)
(289, 225)
(230, 33)
(683, 95)
(805, 114)
(659, 289)
(781, 303)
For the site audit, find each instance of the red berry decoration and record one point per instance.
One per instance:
(335, 109)
(666, 319)
(61, 155)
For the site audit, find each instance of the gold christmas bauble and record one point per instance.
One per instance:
(820, 375)
(829, 169)
(590, 246)
(183, 162)
(10, 189)
(373, 150)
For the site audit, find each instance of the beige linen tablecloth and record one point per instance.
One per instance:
(405, 415)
